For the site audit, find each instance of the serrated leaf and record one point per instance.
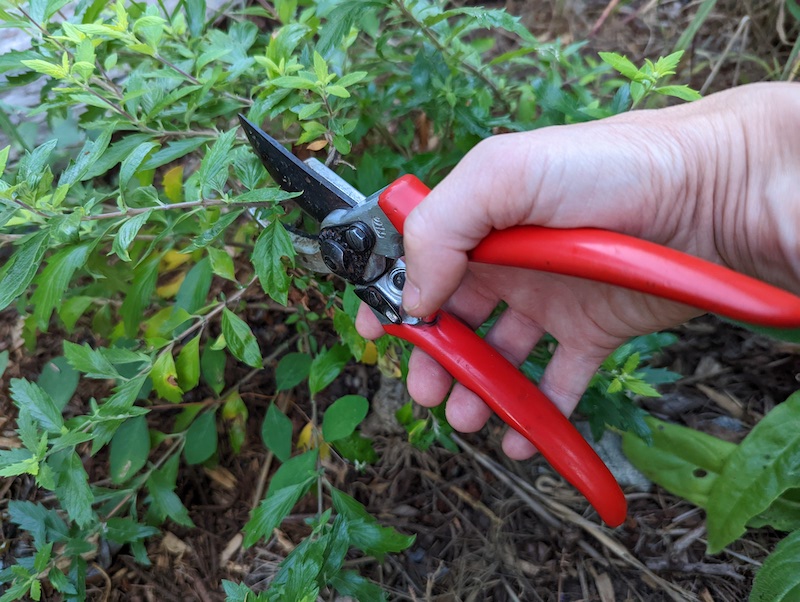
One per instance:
(272, 245)
(18, 272)
(213, 172)
(130, 448)
(138, 295)
(45, 68)
(72, 489)
(201, 439)
(778, 579)
(91, 152)
(276, 432)
(209, 235)
(240, 340)
(326, 366)
(127, 234)
(37, 403)
(272, 510)
(292, 369)
(52, 283)
(683, 92)
(89, 361)
(762, 467)
(353, 585)
(375, 540)
(622, 64)
(343, 416)
(165, 378)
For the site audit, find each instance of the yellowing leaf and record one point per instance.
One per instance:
(165, 378)
(310, 439)
(173, 184)
(170, 289)
(370, 355)
(317, 145)
(172, 260)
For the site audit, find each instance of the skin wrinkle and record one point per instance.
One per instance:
(602, 174)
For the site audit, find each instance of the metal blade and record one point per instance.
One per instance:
(318, 198)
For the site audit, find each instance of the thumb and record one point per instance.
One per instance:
(453, 219)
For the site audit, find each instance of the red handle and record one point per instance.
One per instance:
(620, 260)
(520, 404)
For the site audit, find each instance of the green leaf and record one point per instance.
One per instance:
(54, 280)
(682, 92)
(374, 540)
(292, 369)
(33, 399)
(18, 272)
(320, 67)
(139, 294)
(684, 461)
(131, 163)
(165, 378)
(272, 510)
(130, 448)
(59, 380)
(348, 506)
(221, 263)
(3, 361)
(45, 68)
(778, 580)
(173, 151)
(89, 361)
(164, 501)
(294, 471)
(622, 64)
(272, 244)
(194, 289)
(125, 530)
(212, 368)
(209, 235)
(213, 172)
(72, 488)
(127, 234)
(276, 431)
(240, 339)
(89, 154)
(764, 465)
(341, 20)
(326, 367)
(353, 585)
(201, 439)
(343, 416)
(188, 365)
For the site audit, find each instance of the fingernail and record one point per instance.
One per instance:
(411, 296)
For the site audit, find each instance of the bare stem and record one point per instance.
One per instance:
(185, 205)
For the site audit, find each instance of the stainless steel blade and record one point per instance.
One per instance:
(319, 197)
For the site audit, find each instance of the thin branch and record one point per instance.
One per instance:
(185, 205)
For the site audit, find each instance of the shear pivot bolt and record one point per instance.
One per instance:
(332, 255)
(359, 237)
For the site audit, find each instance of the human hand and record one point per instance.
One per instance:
(718, 178)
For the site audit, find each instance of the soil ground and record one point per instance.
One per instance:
(487, 528)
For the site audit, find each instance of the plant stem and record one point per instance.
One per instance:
(185, 205)
(431, 35)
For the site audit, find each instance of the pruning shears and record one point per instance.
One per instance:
(361, 240)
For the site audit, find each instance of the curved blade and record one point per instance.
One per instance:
(318, 197)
